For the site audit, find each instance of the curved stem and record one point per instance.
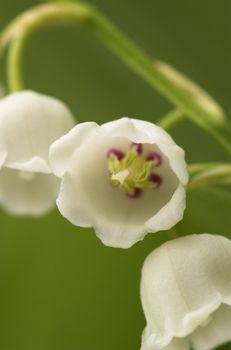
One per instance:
(171, 119)
(14, 67)
(205, 174)
(123, 47)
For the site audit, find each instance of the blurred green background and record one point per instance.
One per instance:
(60, 288)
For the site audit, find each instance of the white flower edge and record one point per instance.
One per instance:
(27, 193)
(63, 154)
(138, 131)
(166, 218)
(62, 151)
(29, 123)
(118, 236)
(183, 282)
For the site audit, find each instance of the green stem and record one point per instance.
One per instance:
(15, 60)
(205, 174)
(171, 119)
(123, 47)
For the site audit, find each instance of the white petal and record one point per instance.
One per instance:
(27, 193)
(62, 150)
(170, 214)
(35, 164)
(29, 124)
(151, 342)
(135, 130)
(88, 199)
(71, 202)
(183, 282)
(216, 333)
(123, 236)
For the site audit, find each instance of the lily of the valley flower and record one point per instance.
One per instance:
(186, 294)
(124, 178)
(29, 124)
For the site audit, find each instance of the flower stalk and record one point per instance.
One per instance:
(205, 174)
(172, 119)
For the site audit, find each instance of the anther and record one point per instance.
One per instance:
(116, 152)
(136, 193)
(155, 157)
(137, 147)
(155, 179)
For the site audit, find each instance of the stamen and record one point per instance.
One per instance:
(116, 152)
(138, 147)
(155, 157)
(120, 176)
(136, 193)
(133, 172)
(156, 179)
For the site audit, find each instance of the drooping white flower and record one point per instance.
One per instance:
(125, 178)
(29, 124)
(186, 294)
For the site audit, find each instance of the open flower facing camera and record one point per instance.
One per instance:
(186, 294)
(125, 178)
(29, 123)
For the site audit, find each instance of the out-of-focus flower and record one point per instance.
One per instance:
(29, 124)
(186, 294)
(125, 178)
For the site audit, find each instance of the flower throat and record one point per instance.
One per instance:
(133, 172)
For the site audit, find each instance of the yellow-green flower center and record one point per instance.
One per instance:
(132, 172)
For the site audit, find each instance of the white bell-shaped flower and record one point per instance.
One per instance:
(29, 124)
(125, 178)
(186, 294)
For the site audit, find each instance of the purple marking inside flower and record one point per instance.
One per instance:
(137, 193)
(156, 179)
(116, 152)
(138, 147)
(155, 157)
